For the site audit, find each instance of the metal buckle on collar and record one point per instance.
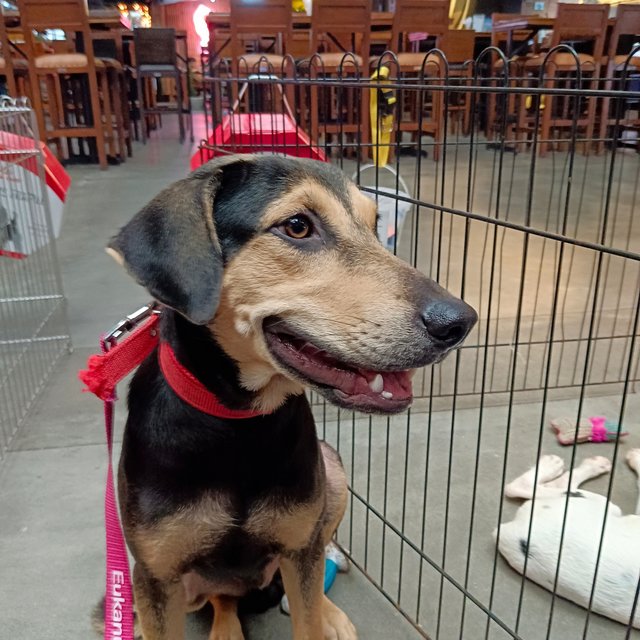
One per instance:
(130, 323)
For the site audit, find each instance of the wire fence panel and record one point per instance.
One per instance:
(33, 326)
(516, 188)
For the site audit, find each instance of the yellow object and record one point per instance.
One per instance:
(381, 115)
(297, 6)
(528, 103)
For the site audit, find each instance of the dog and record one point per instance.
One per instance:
(619, 566)
(271, 280)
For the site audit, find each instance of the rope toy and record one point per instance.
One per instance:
(594, 429)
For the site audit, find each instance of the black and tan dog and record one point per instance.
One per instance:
(273, 280)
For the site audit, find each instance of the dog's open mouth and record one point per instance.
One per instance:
(345, 384)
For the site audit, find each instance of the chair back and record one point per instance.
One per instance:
(263, 18)
(5, 52)
(627, 24)
(336, 18)
(582, 22)
(428, 16)
(68, 15)
(155, 46)
(458, 45)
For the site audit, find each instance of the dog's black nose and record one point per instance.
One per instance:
(448, 322)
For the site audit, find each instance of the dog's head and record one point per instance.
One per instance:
(279, 258)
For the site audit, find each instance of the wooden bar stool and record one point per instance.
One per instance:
(156, 57)
(338, 28)
(84, 110)
(422, 112)
(458, 47)
(109, 49)
(15, 70)
(502, 110)
(619, 67)
(583, 23)
(258, 22)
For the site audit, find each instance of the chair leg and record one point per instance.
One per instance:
(11, 83)
(126, 113)
(179, 101)
(591, 116)
(97, 119)
(56, 109)
(141, 110)
(116, 99)
(604, 121)
(107, 126)
(545, 129)
(38, 107)
(22, 87)
(190, 114)
(365, 126)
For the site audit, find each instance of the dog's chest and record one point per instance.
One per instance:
(239, 562)
(246, 555)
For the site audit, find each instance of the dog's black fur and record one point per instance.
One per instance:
(176, 458)
(169, 462)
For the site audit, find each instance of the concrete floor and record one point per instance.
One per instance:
(52, 481)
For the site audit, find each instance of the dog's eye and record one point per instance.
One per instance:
(298, 227)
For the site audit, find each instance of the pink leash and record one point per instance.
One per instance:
(101, 376)
(118, 604)
(103, 373)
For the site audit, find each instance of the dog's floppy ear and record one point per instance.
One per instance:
(170, 247)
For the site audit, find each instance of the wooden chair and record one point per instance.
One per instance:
(88, 120)
(267, 22)
(109, 49)
(458, 46)
(431, 17)
(14, 69)
(584, 23)
(508, 103)
(339, 27)
(266, 18)
(427, 16)
(156, 57)
(619, 67)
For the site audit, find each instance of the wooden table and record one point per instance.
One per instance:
(381, 24)
(301, 20)
(530, 24)
(97, 17)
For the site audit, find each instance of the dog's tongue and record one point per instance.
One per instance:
(326, 370)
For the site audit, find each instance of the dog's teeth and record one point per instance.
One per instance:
(377, 384)
(387, 394)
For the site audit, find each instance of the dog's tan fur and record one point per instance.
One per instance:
(353, 294)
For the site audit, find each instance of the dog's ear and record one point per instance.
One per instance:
(171, 248)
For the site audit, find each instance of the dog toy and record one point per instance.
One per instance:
(335, 561)
(594, 429)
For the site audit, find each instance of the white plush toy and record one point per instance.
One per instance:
(619, 567)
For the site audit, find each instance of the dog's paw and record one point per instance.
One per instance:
(335, 623)
(549, 468)
(597, 465)
(633, 460)
(228, 631)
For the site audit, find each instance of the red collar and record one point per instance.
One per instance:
(105, 370)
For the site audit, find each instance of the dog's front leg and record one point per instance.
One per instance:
(226, 625)
(313, 615)
(160, 606)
